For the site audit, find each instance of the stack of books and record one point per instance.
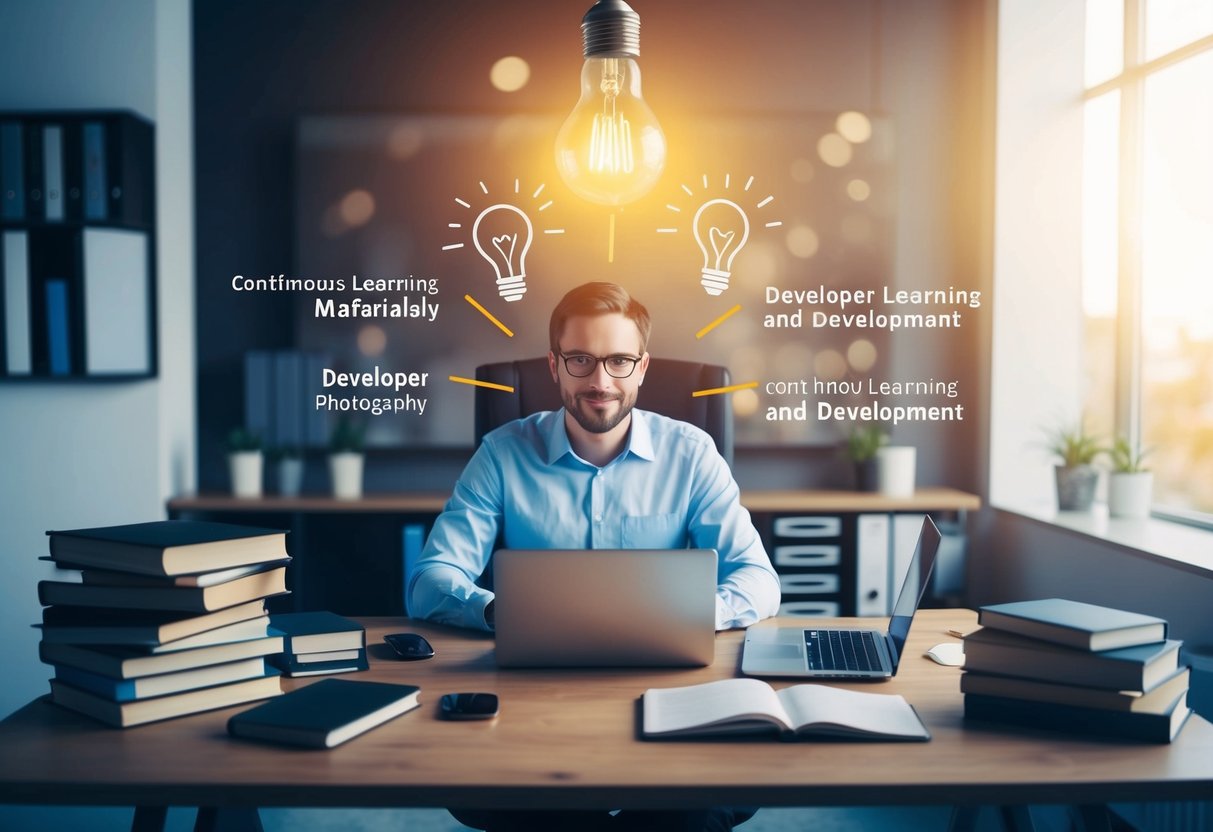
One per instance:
(316, 643)
(168, 618)
(1065, 665)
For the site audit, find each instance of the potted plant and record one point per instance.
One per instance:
(1076, 476)
(1131, 484)
(862, 444)
(244, 463)
(345, 460)
(288, 461)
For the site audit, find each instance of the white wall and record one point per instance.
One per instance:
(1037, 368)
(76, 454)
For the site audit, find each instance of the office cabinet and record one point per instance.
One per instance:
(846, 553)
(77, 246)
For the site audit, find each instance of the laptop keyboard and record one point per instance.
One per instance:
(841, 650)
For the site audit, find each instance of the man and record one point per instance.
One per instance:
(612, 476)
(595, 474)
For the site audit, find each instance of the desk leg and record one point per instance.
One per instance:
(212, 819)
(149, 819)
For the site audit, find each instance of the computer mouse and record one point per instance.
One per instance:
(409, 646)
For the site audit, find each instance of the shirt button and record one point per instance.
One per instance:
(597, 518)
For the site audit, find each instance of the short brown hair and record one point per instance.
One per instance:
(599, 299)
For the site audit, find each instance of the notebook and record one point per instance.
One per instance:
(605, 607)
(851, 653)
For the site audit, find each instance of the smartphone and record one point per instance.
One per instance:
(469, 705)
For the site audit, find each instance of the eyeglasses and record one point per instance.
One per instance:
(580, 365)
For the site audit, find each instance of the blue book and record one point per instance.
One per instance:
(57, 327)
(130, 690)
(1074, 624)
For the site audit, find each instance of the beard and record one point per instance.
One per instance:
(594, 420)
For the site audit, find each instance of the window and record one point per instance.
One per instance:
(1148, 239)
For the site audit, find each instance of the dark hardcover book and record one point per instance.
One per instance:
(326, 713)
(126, 663)
(99, 625)
(291, 665)
(187, 598)
(131, 690)
(317, 632)
(139, 712)
(1073, 719)
(1156, 700)
(168, 547)
(108, 577)
(1127, 668)
(1074, 624)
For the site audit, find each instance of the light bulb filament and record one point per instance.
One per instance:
(611, 139)
(720, 241)
(508, 256)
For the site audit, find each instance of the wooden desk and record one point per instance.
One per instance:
(567, 739)
(431, 502)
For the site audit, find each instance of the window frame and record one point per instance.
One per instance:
(1131, 83)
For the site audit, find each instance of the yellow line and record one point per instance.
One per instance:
(715, 391)
(489, 315)
(718, 321)
(488, 384)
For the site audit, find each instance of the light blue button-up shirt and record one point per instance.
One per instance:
(668, 489)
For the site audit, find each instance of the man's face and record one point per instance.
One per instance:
(599, 401)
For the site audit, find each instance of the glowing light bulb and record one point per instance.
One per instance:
(610, 149)
(721, 229)
(502, 234)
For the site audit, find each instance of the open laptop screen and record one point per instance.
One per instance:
(918, 576)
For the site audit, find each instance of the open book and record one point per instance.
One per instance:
(740, 706)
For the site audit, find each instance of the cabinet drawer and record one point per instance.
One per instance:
(812, 556)
(808, 527)
(809, 584)
(817, 609)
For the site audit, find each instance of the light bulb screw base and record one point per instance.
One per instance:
(611, 29)
(512, 288)
(714, 281)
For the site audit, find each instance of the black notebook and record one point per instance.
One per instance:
(326, 713)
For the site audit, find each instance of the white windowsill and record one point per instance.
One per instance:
(1179, 545)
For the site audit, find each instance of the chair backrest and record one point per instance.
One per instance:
(667, 390)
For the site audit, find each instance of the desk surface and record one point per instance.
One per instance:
(423, 502)
(567, 739)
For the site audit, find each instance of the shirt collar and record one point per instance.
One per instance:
(640, 437)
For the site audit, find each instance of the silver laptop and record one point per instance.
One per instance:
(605, 607)
(845, 653)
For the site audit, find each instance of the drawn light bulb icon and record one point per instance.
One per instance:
(502, 234)
(721, 229)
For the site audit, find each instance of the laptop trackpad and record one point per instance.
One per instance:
(772, 652)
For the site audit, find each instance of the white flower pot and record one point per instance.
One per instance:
(290, 476)
(1129, 495)
(245, 470)
(345, 472)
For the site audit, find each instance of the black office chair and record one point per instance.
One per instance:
(667, 390)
